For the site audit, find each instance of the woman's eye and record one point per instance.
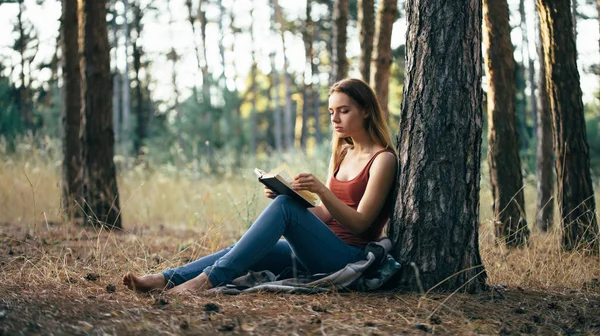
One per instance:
(345, 111)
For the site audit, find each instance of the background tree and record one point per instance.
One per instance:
(544, 151)
(339, 60)
(506, 180)
(574, 185)
(126, 87)
(366, 30)
(27, 46)
(383, 51)
(288, 118)
(307, 37)
(100, 183)
(72, 180)
(436, 217)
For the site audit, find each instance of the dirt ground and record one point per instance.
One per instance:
(55, 283)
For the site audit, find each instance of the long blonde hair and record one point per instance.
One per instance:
(376, 124)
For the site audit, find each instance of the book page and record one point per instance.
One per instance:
(284, 171)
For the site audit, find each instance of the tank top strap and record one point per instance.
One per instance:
(368, 165)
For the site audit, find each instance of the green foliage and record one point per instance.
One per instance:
(11, 123)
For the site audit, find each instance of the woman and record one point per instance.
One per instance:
(355, 205)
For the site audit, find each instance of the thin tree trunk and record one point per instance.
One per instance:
(383, 52)
(530, 65)
(116, 78)
(24, 89)
(72, 180)
(339, 60)
(307, 36)
(253, 90)
(126, 92)
(366, 30)
(574, 13)
(222, 79)
(436, 218)
(100, 180)
(204, 68)
(141, 130)
(598, 11)
(574, 184)
(276, 107)
(506, 180)
(288, 120)
(174, 58)
(544, 150)
(316, 96)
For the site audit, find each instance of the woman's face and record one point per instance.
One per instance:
(347, 117)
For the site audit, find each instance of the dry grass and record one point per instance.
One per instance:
(173, 216)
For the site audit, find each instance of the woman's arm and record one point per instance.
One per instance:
(382, 177)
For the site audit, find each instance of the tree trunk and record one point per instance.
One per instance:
(574, 184)
(288, 120)
(222, 79)
(574, 12)
(506, 180)
(100, 180)
(383, 52)
(366, 30)
(307, 36)
(544, 150)
(116, 78)
(142, 120)
(316, 96)
(276, 107)
(530, 66)
(24, 89)
(72, 180)
(340, 37)
(204, 68)
(126, 92)
(436, 217)
(253, 90)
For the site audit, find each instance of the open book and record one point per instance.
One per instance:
(279, 180)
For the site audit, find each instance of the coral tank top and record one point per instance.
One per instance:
(351, 192)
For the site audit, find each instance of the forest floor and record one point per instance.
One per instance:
(67, 280)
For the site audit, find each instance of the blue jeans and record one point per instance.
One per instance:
(308, 242)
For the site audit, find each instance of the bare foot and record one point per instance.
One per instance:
(144, 283)
(197, 284)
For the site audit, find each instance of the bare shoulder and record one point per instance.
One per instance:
(385, 160)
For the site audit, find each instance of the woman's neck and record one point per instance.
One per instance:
(364, 144)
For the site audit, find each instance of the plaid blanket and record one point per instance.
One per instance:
(363, 275)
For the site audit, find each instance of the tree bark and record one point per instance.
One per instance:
(383, 52)
(253, 88)
(116, 77)
(436, 218)
(307, 37)
(530, 65)
(339, 60)
(126, 89)
(506, 180)
(288, 120)
(24, 89)
(544, 150)
(72, 181)
(316, 95)
(100, 181)
(574, 12)
(574, 184)
(142, 118)
(366, 30)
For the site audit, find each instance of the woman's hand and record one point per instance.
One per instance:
(306, 181)
(270, 193)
